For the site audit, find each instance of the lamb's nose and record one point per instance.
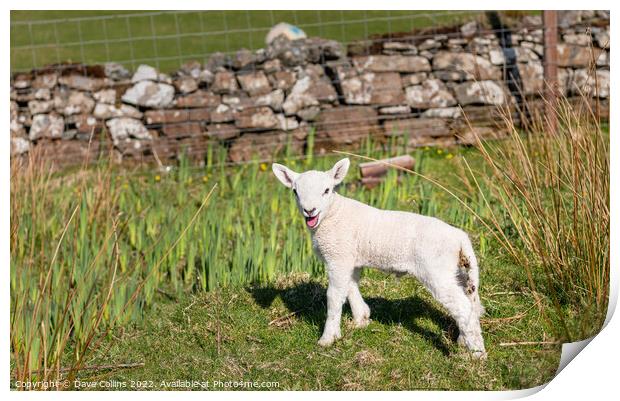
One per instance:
(309, 212)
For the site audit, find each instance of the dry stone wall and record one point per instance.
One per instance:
(259, 102)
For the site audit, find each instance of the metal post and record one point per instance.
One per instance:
(550, 63)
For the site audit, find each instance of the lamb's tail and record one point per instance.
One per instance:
(468, 274)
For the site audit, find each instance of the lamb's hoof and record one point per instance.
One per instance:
(480, 355)
(361, 323)
(327, 341)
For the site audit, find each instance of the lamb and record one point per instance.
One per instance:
(348, 235)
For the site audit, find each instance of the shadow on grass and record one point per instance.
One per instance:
(309, 302)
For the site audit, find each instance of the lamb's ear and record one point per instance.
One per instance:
(284, 174)
(339, 171)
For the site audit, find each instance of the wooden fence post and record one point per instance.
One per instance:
(550, 64)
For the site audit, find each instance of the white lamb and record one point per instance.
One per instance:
(348, 235)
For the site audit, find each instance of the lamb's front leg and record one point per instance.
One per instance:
(339, 277)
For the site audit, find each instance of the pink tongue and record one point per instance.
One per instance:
(311, 222)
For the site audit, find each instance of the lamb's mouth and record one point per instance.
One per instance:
(313, 221)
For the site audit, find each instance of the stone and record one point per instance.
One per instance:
(418, 127)
(444, 112)
(202, 114)
(273, 99)
(47, 81)
(286, 31)
(199, 98)
(222, 132)
(116, 71)
(21, 81)
(262, 146)
(602, 39)
(474, 67)
(585, 82)
(532, 79)
(42, 94)
(218, 61)
(309, 113)
(373, 88)
(287, 123)
(150, 94)
(222, 114)
(40, 106)
(580, 39)
(401, 47)
(105, 96)
(186, 85)
(14, 110)
(106, 111)
(49, 125)
(81, 82)
(243, 59)
(258, 118)
(206, 77)
(271, 66)
(17, 129)
(182, 130)
(383, 63)
(575, 56)
(525, 55)
(603, 59)
(84, 124)
(299, 98)
(166, 116)
(191, 69)
(165, 78)
(469, 29)
(429, 44)
(254, 83)
(145, 73)
(480, 92)
(225, 82)
(431, 94)
(69, 103)
(283, 79)
(413, 79)
(19, 146)
(497, 56)
(124, 128)
(346, 125)
(401, 109)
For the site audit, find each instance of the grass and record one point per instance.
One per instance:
(168, 39)
(208, 274)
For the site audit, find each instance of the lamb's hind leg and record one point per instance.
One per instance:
(461, 308)
(359, 308)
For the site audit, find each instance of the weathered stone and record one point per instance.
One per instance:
(199, 98)
(418, 127)
(402, 109)
(258, 118)
(17, 129)
(206, 77)
(105, 96)
(575, 56)
(400, 47)
(69, 103)
(584, 82)
(202, 114)
(124, 128)
(497, 56)
(14, 110)
(116, 71)
(474, 67)
(84, 124)
(580, 39)
(81, 82)
(299, 98)
(243, 59)
(191, 69)
(222, 132)
(525, 55)
(150, 94)
(255, 83)
(222, 114)
(446, 112)
(603, 59)
(372, 88)
(166, 116)
(182, 130)
(287, 123)
(106, 111)
(532, 79)
(283, 80)
(273, 99)
(47, 81)
(602, 39)
(382, 63)
(19, 146)
(413, 79)
(431, 94)
(186, 85)
(346, 125)
(309, 113)
(40, 106)
(46, 126)
(271, 66)
(22, 81)
(42, 94)
(480, 92)
(224, 82)
(429, 44)
(145, 73)
(469, 29)
(165, 78)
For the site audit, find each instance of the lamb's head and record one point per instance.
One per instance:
(313, 190)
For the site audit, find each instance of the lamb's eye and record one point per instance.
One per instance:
(326, 191)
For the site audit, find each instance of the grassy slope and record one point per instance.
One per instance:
(409, 344)
(134, 37)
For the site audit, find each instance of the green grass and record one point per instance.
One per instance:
(167, 39)
(249, 249)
